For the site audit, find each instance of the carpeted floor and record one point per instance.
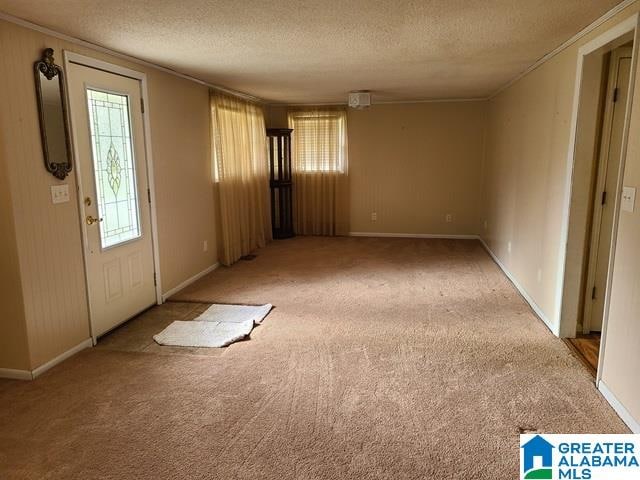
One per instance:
(383, 359)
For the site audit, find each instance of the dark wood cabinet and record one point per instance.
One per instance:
(280, 181)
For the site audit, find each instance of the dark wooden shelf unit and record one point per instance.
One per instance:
(279, 140)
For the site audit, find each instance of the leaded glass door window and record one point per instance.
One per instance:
(114, 167)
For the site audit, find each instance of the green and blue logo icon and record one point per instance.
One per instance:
(537, 459)
(580, 456)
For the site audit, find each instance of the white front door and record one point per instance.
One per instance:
(106, 113)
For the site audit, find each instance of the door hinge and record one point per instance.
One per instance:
(149, 194)
(604, 198)
(593, 293)
(142, 104)
(155, 279)
(615, 95)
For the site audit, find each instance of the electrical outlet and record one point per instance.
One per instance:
(205, 246)
(509, 247)
(486, 225)
(448, 218)
(374, 216)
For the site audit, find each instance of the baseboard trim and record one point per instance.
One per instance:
(534, 306)
(413, 235)
(622, 412)
(189, 281)
(14, 374)
(31, 375)
(61, 358)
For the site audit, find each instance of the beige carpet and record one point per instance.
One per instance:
(383, 359)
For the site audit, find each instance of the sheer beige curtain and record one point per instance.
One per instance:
(320, 171)
(241, 174)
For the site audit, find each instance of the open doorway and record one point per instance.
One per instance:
(601, 115)
(614, 78)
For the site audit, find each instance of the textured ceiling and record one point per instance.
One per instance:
(316, 51)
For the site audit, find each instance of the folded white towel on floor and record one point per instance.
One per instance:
(235, 313)
(218, 326)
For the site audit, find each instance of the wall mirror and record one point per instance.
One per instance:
(54, 122)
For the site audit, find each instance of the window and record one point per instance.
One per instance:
(319, 140)
(114, 167)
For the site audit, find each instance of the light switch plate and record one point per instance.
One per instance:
(628, 199)
(60, 193)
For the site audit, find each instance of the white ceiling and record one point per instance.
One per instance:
(316, 51)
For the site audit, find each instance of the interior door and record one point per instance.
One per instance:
(606, 187)
(106, 114)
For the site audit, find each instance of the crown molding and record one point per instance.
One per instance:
(84, 43)
(585, 31)
(582, 33)
(384, 102)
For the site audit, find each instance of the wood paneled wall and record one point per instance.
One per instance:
(14, 351)
(48, 236)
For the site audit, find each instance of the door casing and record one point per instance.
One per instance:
(567, 288)
(72, 57)
(603, 165)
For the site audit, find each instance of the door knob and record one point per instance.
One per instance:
(91, 220)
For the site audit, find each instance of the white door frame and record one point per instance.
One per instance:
(76, 58)
(565, 293)
(598, 210)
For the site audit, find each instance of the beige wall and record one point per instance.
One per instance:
(275, 116)
(184, 189)
(14, 352)
(48, 236)
(413, 164)
(523, 195)
(621, 365)
(526, 171)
